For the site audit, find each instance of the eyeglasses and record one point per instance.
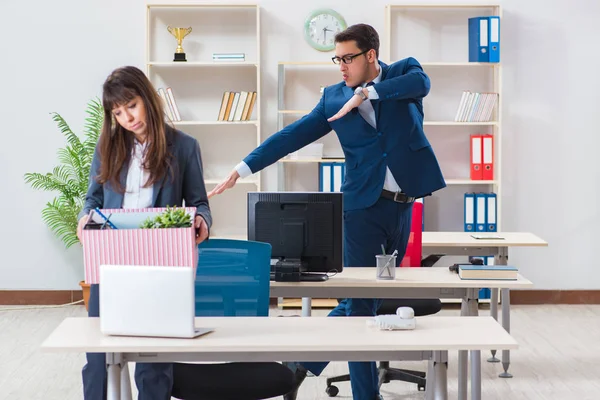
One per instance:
(347, 59)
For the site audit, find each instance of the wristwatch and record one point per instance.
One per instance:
(359, 91)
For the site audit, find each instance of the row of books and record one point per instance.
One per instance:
(169, 104)
(237, 106)
(476, 107)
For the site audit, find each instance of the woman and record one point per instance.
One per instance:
(140, 162)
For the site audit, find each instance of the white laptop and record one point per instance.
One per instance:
(148, 301)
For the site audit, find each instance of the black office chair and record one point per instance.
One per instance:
(421, 307)
(252, 381)
(232, 279)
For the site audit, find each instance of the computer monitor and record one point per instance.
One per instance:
(304, 230)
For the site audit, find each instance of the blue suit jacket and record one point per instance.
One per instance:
(187, 183)
(399, 141)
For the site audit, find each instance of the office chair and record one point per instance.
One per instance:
(421, 307)
(232, 279)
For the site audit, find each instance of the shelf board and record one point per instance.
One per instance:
(188, 123)
(229, 236)
(166, 5)
(426, 123)
(459, 64)
(468, 182)
(242, 181)
(315, 63)
(424, 64)
(455, 123)
(311, 160)
(444, 6)
(293, 111)
(182, 64)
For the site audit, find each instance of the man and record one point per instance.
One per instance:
(377, 113)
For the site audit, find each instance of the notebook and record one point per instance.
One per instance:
(489, 272)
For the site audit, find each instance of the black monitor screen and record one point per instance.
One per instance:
(304, 227)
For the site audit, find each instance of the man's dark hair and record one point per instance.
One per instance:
(366, 37)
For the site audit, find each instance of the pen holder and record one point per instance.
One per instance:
(386, 267)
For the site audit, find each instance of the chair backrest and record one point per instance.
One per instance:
(232, 278)
(414, 249)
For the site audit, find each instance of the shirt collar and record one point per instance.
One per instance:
(377, 78)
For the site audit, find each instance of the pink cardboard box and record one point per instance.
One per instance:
(130, 245)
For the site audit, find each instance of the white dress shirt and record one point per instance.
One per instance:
(366, 110)
(137, 196)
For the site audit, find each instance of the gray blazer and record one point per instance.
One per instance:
(187, 183)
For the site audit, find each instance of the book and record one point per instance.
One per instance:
(487, 272)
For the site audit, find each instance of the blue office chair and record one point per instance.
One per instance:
(232, 279)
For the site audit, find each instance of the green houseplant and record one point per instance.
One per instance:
(69, 179)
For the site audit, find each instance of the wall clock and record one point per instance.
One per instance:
(320, 28)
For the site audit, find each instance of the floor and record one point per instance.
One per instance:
(559, 358)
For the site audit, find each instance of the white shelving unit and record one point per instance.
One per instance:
(442, 51)
(437, 36)
(198, 85)
(306, 77)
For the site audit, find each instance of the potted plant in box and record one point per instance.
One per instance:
(69, 179)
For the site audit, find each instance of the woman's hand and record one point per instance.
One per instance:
(201, 228)
(80, 226)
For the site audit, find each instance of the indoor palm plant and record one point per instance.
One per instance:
(69, 179)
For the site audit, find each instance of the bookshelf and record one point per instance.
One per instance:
(306, 78)
(442, 50)
(198, 86)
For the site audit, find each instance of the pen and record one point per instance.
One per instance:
(388, 262)
(105, 219)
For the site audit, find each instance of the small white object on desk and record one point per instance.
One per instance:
(404, 319)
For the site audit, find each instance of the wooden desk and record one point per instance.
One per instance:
(290, 339)
(410, 283)
(429, 282)
(463, 244)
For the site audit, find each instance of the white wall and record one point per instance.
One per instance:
(56, 58)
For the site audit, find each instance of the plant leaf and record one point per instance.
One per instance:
(70, 178)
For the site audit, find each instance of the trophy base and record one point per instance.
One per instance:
(179, 57)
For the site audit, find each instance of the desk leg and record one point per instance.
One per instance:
(506, 325)
(463, 367)
(125, 382)
(473, 305)
(306, 306)
(440, 367)
(431, 378)
(113, 387)
(494, 313)
(475, 375)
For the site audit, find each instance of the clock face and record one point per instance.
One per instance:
(321, 27)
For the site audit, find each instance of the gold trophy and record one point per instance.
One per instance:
(179, 34)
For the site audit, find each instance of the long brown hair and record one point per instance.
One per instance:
(116, 143)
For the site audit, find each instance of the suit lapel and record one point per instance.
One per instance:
(117, 195)
(158, 185)
(156, 189)
(348, 92)
(376, 103)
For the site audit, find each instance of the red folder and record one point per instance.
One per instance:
(487, 157)
(476, 155)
